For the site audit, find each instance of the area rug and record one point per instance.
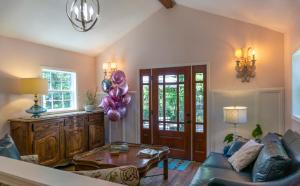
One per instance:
(175, 164)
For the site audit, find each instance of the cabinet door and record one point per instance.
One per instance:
(47, 142)
(74, 136)
(96, 130)
(96, 134)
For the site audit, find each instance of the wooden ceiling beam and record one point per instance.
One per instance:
(168, 3)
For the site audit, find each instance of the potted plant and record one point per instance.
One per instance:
(90, 101)
(257, 132)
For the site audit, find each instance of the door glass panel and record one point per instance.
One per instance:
(161, 126)
(199, 76)
(199, 128)
(181, 78)
(146, 95)
(160, 103)
(181, 127)
(171, 127)
(171, 102)
(146, 79)
(146, 125)
(171, 78)
(181, 102)
(160, 79)
(199, 103)
(199, 107)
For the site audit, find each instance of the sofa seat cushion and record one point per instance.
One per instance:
(217, 160)
(205, 174)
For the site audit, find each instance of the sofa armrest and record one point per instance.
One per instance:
(289, 180)
(31, 159)
(127, 175)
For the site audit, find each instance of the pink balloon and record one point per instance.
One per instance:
(126, 99)
(118, 77)
(115, 93)
(124, 88)
(113, 115)
(123, 111)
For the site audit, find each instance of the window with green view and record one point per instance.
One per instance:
(62, 90)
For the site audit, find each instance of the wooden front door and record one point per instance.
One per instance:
(173, 107)
(171, 110)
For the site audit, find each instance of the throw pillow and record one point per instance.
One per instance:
(245, 155)
(235, 146)
(8, 148)
(226, 149)
(272, 162)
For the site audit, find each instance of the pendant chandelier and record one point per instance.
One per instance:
(83, 14)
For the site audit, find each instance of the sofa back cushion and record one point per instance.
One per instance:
(272, 162)
(8, 148)
(270, 137)
(291, 142)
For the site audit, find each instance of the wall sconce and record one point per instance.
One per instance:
(109, 68)
(245, 64)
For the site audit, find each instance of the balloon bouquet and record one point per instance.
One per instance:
(116, 102)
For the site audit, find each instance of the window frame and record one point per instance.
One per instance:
(295, 85)
(74, 90)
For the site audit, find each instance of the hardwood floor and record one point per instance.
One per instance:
(176, 178)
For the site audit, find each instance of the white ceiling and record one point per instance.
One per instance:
(274, 14)
(45, 21)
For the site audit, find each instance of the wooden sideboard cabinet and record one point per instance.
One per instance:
(57, 138)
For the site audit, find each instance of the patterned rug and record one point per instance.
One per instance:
(175, 164)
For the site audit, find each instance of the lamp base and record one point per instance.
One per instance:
(36, 111)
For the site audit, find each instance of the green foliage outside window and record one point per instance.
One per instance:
(61, 94)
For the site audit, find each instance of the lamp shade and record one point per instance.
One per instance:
(235, 115)
(34, 86)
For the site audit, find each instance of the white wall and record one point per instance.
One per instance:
(265, 107)
(184, 36)
(20, 59)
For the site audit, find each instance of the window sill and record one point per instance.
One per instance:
(296, 118)
(60, 112)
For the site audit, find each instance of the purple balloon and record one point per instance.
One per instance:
(118, 77)
(113, 115)
(105, 109)
(115, 93)
(109, 102)
(126, 99)
(124, 88)
(123, 111)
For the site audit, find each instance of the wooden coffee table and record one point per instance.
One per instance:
(100, 158)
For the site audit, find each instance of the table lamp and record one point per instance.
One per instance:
(235, 115)
(37, 87)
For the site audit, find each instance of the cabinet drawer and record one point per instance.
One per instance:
(96, 118)
(74, 121)
(45, 126)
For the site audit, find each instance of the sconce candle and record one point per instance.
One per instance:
(109, 68)
(245, 64)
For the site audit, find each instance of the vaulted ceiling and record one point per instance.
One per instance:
(45, 21)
